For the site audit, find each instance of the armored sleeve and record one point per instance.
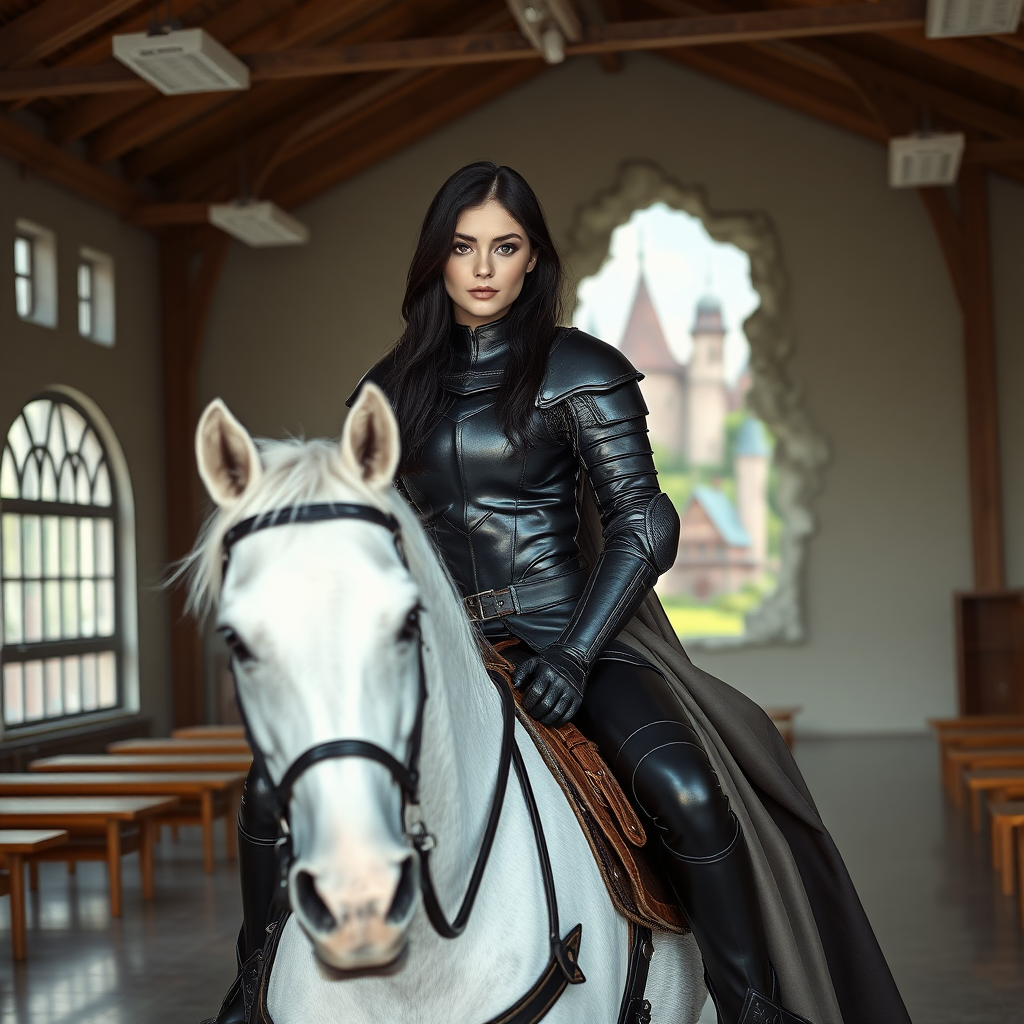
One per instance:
(639, 523)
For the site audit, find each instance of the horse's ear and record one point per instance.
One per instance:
(370, 443)
(228, 461)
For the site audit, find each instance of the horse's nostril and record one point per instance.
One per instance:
(405, 893)
(312, 906)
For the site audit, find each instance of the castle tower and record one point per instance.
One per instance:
(707, 391)
(751, 467)
(664, 383)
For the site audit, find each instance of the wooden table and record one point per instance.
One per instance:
(224, 732)
(972, 759)
(996, 783)
(143, 763)
(15, 846)
(179, 747)
(204, 796)
(126, 822)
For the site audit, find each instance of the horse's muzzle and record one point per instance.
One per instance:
(357, 924)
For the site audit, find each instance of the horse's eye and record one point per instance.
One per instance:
(237, 645)
(411, 627)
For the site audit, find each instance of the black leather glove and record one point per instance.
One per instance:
(553, 681)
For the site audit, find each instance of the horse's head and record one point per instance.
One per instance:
(322, 621)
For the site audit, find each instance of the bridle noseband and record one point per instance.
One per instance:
(406, 775)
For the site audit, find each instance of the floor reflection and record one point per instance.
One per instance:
(954, 942)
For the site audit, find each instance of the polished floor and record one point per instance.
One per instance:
(954, 942)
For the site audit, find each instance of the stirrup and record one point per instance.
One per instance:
(237, 1004)
(759, 1009)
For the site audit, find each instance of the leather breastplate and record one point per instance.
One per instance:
(500, 515)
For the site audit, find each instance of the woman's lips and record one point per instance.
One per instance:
(483, 293)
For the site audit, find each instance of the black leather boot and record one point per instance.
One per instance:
(258, 834)
(720, 899)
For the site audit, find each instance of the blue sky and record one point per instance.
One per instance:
(682, 263)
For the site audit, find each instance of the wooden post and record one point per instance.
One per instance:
(982, 389)
(190, 266)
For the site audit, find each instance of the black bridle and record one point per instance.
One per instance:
(405, 775)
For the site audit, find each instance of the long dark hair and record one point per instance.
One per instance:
(423, 354)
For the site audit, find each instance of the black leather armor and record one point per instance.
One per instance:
(506, 518)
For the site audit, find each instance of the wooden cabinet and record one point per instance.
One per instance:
(990, 652)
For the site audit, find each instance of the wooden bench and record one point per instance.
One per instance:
(142, 763)
(181, 747)
(99, 827)
(15, 846)
(996, 784)
(1006, 817)
(977, 722)
(203, 796)
(223, 732)
(957, 739)
(973, 759)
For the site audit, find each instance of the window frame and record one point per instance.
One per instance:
(47, 649)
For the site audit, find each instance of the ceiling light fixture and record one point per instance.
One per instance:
(547, 25)
(260, 224)
(949, 18)
(924, 159)
(179, 61)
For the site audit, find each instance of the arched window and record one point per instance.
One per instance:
(62, 616)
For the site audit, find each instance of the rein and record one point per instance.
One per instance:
(563, 967)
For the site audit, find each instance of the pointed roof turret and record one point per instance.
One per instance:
(708, 316)
(750, 439)
(643, 341)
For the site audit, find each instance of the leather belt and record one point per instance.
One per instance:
(525, 597)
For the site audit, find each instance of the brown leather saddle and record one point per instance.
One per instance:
(613, 830)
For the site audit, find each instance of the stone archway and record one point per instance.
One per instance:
(801, 452)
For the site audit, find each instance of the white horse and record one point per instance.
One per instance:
(325, 622)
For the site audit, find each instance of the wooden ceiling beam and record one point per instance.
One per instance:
(52, 25)
(915, 90)
(315, 19)
(697, 30)
(981, 56)
(55, 164)
(319, 17)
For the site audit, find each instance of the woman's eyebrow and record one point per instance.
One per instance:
(500, 238)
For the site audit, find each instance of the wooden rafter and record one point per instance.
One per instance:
(698, 30)
(312, 22)
(56, 165)
(51, 25)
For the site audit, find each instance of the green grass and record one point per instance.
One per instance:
(691, 621)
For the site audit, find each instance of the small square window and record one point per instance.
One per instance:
(35, 273)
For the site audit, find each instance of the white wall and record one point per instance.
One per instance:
(877, 347)
(124, 381)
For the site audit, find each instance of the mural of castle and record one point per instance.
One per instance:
(687, 402)
(723, 545)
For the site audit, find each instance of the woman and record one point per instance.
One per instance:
(503, 414)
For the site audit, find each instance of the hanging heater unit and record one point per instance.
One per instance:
(181, 61)
(258, 224)
(916, 161)
(948, 18)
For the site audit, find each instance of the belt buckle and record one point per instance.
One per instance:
(489, 604)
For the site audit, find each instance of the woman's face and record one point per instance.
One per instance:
(489, 261)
